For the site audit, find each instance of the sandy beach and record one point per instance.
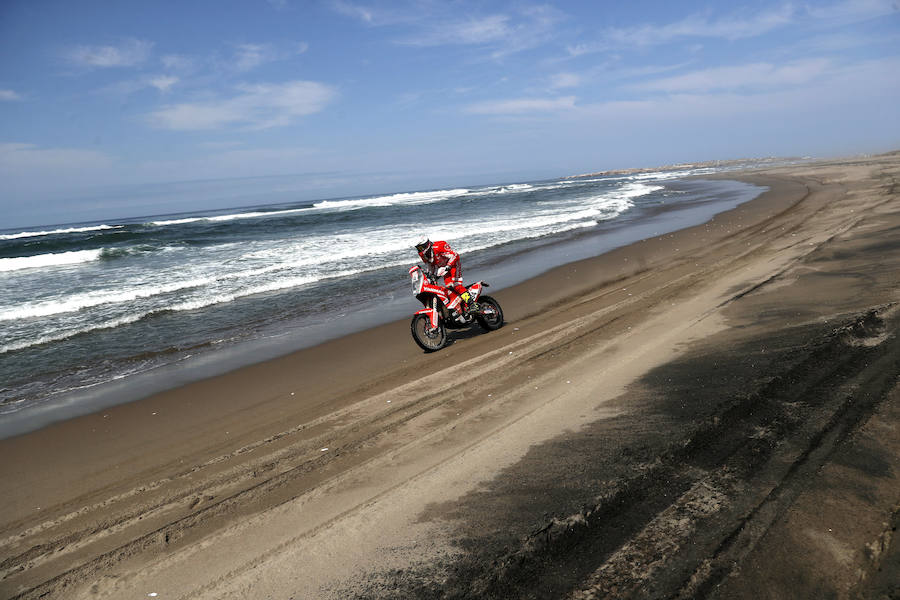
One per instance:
(708, 414)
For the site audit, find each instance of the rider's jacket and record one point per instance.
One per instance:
(444, 256)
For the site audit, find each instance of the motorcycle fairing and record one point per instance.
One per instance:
(437, 290)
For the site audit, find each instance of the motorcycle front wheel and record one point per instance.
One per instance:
(490, 315)
(427, 339)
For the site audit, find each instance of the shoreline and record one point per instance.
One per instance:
(513, 268)
(343, 455)
(317, 370)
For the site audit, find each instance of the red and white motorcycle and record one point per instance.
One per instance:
(429, 325)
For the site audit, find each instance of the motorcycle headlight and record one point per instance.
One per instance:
(416, 280)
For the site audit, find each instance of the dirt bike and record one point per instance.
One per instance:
(429, 325)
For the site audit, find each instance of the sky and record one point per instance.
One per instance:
(123, 108)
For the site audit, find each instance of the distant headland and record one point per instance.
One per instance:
(694, 165)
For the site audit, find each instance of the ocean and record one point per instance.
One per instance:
(88, 307)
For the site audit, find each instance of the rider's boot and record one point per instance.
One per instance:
(458, 314)
(469, 305)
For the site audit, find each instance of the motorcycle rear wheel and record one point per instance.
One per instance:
(490, 315)
(428, 340)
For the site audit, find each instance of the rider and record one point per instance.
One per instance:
(441, 260)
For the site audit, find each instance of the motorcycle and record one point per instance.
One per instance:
(429, 325)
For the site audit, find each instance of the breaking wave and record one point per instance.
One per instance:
(28, 234)
(403, 198)
(49, 260)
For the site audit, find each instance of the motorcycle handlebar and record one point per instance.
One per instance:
(429, 276)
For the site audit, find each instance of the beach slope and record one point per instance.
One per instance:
(710, 413)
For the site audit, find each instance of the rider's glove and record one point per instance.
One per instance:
(441, 271)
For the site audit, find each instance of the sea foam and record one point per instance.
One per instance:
(232, 217)
(402, 198)
(28, 234)
(46, 308)
(49, 260)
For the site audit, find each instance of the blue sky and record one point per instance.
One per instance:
(125, 108)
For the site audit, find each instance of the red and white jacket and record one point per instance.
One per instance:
(442, 256)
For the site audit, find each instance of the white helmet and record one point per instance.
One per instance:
(423, 245)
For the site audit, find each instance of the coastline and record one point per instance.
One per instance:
(203, 460)
(501, 267)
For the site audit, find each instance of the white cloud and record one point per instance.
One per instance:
(506, 34)
(523, 106)
(744, 77)
(186, 117)
(192, 73)
(9, 95)
(250, 56)
(357, 11)
(840, 41)
(738, 25)
(177, 62)
(377, 13)
(565, 80)
(475, 31)
(446, 24)
(127, 54)
(576, 50)
(645, 71)
(256, 106)
(163, 82)
(482, 30)
(729, 28)
(851, 97)
(830, 92)
(530, 28)
(854, 10)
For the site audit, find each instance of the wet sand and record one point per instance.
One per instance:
(711, 413)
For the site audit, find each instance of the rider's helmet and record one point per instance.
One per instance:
(425, 248)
